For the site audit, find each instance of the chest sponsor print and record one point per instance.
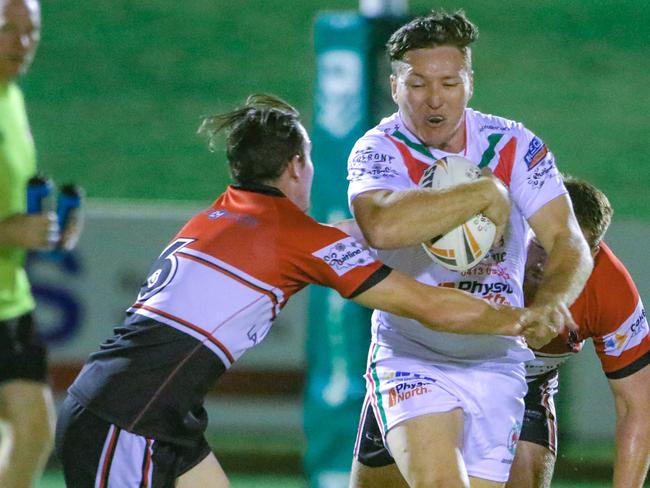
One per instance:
(370, 155)
(368, 162)
(496, 292)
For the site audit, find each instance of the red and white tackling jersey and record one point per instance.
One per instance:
(390, 157)
(610, 311)
(230, 270)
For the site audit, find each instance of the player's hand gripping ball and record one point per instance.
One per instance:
(463, 247)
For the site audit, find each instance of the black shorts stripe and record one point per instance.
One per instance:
(146, 465)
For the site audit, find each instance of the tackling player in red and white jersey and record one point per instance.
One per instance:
(610, 311)
(134, 416)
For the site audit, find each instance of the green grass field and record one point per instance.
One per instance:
(54, 479)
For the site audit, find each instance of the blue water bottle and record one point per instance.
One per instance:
(69, 217)
(68, 204)
(39, 194)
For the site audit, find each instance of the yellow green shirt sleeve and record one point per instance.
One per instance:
(17, 166)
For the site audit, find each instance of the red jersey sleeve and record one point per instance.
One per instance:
(324, 255)
(616, 318)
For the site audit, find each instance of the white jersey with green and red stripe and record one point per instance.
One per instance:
(390, 157)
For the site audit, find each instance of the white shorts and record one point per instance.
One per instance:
(491, 395)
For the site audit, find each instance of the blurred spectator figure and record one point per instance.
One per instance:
(26, 406)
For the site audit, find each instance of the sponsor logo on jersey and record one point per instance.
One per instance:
(541, 175)
(370, 155)
(537, 150)
(216, 214)
(487, 269)
(494, 292)
(344, 255)
(243, 219)
(629, 334)
(492, 127)
(376, 171)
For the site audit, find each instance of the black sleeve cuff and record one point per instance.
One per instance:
(630, 369)
(374, 278)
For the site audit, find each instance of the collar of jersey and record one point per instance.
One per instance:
(259, 188)
(404, 134)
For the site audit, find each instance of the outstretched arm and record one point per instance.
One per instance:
(632, 397)
(449, 310)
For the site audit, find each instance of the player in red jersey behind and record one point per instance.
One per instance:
(134, 416)
(609, 311)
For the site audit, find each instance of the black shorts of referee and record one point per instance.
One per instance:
(23, 355)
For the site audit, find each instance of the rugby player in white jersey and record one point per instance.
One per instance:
(450, 407)
(134, 416)
(610, 311)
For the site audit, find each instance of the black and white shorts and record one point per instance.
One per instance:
(540, 420)
(539, 424)
(98, 454)
(23, 354)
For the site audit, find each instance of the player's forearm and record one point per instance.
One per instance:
(451, 310)
(567, 269)
(391, 220)
(632, 448)
(441, 309)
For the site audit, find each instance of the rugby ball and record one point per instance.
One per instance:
(463, 247)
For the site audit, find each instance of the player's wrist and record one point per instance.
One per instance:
(503, 320)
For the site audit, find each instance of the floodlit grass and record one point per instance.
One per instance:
(54, 479)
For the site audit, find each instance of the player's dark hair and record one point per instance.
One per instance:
(438, 28)
(262, 137)
(592, 209)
